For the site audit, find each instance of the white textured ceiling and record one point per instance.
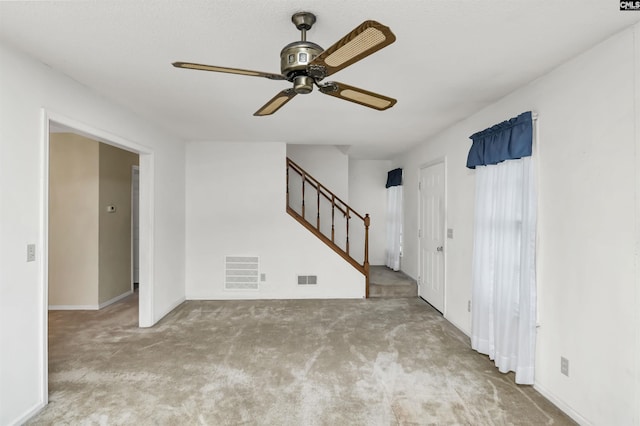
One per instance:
(451, 58)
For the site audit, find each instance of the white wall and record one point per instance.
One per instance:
(367, 194)
(236, 204)
(636, 112)
(74, 181)
(27, 87)
(326, 163)
(115, 227)
(589, 144)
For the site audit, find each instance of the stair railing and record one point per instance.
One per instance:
(311, 188)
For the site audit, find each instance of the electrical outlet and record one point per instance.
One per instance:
(31, 252)
(449, 233)
(564, 366)
(469, 306)
(263, 277)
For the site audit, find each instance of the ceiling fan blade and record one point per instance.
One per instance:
(359, 96)
(202, 67)
(367, 38)
(276, 102)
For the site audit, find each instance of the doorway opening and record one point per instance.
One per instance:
(90, 214)
(53, 123)
(135, 228)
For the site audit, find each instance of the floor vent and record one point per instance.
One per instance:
(241, 272)
(307, 279)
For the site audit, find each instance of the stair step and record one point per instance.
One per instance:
(393, 291)
(386, 283)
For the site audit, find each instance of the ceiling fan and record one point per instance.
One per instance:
(306, 64)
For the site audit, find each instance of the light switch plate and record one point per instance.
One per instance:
(31, 252)
(564, 366)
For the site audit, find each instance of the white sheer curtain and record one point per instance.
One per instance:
(504, 286)
(394, 226)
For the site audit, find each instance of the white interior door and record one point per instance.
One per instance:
(431, 235)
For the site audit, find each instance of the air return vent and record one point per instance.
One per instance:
(241, 272)
(307, 279)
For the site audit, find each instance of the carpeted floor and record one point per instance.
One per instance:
(291, 362)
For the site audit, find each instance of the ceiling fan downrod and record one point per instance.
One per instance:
(296, 56)
(303, 21)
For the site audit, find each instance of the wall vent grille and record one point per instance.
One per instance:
(307, 279)
(242, 272)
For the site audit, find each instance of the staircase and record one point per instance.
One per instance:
(332, 220)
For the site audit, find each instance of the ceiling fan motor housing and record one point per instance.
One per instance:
(294, 59)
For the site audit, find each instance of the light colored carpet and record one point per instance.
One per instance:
(304, 362)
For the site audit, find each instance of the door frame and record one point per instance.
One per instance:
(439, 160)
(146, 239)
(137, 204)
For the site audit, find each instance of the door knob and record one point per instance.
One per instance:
(440, 248)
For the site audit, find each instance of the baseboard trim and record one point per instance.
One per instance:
(28, 415)
(115, 299)
(563, 406)
(456, 325)
(90, 307)
(74, 307)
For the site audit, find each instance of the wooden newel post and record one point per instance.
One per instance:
(367, 221)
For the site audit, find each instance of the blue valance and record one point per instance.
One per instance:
(394, 178)
(508, 140)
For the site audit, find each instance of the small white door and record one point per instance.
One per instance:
(431, 235)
